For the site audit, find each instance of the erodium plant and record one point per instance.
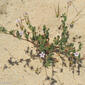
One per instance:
(60, 47)
(44, 49)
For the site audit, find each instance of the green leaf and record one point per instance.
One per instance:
(48, 62)
(51, 48)
(2, 29)
(12, 32)
(39, 38)
(46, 32)
(18, 35)
(55, 41)
(42, 47)
(34, 36)
(80, 46)
(26, 34)
(32, 28)
(50, 54)
(44, 28)
(79, 56)
(64, 17)
(25, 31)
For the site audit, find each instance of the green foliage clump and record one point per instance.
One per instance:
(45, 49)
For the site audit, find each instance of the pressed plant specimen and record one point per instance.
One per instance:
(45, 50)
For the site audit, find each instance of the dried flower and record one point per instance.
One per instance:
(18, 21)
(42, 55)
(25, 13)
(76, 54)
(26, 18)
(21, 33)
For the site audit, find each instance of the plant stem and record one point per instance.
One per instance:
(24, 39)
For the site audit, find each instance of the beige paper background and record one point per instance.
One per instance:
(40, 12)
